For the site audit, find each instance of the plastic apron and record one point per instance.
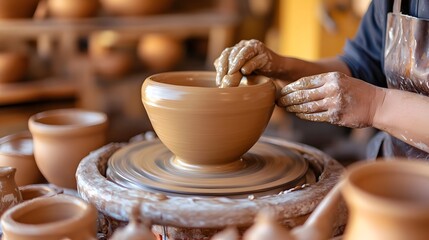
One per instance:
(406, 68)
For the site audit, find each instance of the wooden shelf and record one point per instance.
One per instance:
(36, 90)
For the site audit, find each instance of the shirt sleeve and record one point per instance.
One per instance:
(364, 54)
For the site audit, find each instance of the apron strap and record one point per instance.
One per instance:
(397, 6)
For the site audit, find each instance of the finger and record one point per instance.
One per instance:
(236, 49)
(221, 65)
(245, 53)
(316, 117)
(310, 107)
(304, 83)
(232, 80)
(253, 64)
(301, 96)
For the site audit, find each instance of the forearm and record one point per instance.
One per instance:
(404, 115)
(291, 69)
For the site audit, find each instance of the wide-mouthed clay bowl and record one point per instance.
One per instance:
(16, 150)
(57, 217)
(202, 124)
(62, 137)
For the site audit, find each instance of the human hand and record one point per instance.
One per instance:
(247, 56)
(333, 97)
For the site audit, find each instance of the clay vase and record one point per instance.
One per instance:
(207, 127)
(9, 192)
(16, 150)
(73, 8)
(13, 66)
(387, 200)
(53, 218)
(62, 138)
(17, 8)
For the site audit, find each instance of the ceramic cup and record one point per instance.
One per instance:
(202, 124)
(387, 200)
(53, 218)
(16, 150)
(62, 138)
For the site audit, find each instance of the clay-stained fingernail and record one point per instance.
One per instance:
(232, 80)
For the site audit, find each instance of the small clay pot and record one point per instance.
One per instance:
(32, 191)
(160, 52)
(53, 218)
(387, 200)
(9, 192)
(135, 7)
(13, 66)
(62, 138)
(204, 125)
(17, 8)
(73, 8)
(16, 150)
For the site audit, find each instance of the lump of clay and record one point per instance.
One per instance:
(266, 227)
(135, 230)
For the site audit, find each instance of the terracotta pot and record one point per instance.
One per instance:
(160, 52)
(16, 150)
(17, 8)
(135, 7)
(387, 200)
(57, 217)
(73, 8)
(13, 66)
(112, 65)
(203, 124)
(9, 192)
(62, 138)
(32, 191)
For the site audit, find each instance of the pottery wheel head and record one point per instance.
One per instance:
(265, 169)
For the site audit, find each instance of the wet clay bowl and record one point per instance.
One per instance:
(16, 150)
(62, 137)
(57, 217)
(203, 125)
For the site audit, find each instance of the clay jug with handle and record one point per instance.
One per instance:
(9, 191)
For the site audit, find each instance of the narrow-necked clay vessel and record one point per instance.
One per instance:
(53, 218)
(188, 112)
(9, 192)
(387, 200)
(16, 150)
(62, 138)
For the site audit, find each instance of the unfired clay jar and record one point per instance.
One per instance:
(53, 218)
(17, 8)
(72, 8)
(29, 192)
(9, 192)
(188, 113)
(135, 7)
(387, 200)
(62, 138)
(16, 150)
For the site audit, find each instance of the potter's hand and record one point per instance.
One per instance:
(333, 97)
(248, 56)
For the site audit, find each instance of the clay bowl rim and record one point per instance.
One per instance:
(46, 190)
(13, 137)
(9, 222)
(98, 120)
(378, 168)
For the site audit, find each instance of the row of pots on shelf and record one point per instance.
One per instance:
(82, 8)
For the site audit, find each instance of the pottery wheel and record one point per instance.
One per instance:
(150, 166)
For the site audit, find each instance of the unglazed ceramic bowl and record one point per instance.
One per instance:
(62, 137)
(204, 125)
(52, 218)
(16, 150)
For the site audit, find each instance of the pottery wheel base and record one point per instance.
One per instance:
(266, 168)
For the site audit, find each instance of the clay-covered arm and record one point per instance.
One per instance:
(404, 115)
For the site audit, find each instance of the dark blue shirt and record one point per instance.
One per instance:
(364, 55)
